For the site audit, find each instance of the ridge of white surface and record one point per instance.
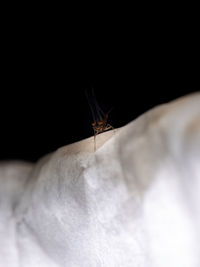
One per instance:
(134, 202)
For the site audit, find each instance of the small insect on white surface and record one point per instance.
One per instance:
(100, 119)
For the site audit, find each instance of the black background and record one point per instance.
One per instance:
(44, 74)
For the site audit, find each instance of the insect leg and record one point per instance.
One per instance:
(95, 134)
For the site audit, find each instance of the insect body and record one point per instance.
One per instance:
(101, 126)
(100, 119)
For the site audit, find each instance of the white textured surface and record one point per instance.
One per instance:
(134, 203)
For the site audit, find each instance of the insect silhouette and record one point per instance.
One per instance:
(100, 119)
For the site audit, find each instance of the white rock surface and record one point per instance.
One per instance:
(135, 202)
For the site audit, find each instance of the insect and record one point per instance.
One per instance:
(100, 119)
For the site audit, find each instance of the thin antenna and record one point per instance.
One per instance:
(91, 105)
(100, 119)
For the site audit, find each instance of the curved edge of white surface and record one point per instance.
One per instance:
(135, 201)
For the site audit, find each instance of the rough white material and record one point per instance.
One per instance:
(132, 203)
